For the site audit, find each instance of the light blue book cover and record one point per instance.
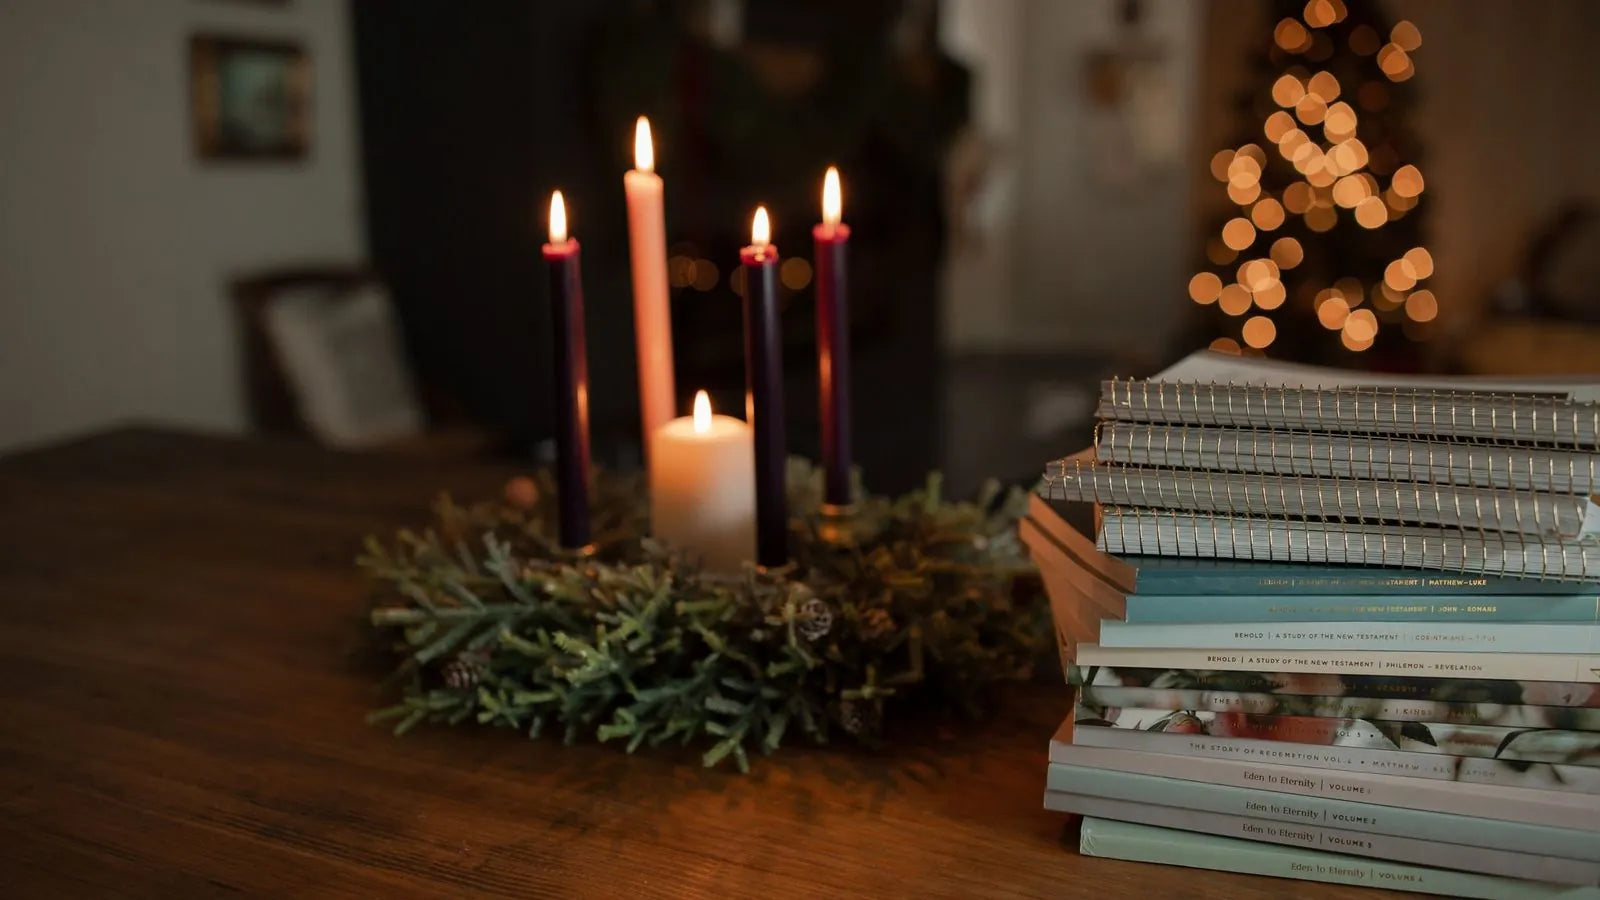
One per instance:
(1193, 577)
(1329, 812)
(1395, 636)
(1147, 843)
(1459, 608)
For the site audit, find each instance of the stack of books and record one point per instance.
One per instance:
(1331, 630)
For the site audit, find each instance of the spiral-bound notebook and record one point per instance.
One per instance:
(1378, 457)
(1154, 532)
(1081, 477)
(1201, 392)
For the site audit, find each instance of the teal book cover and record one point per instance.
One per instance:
(1147, 843)
(1581, 608)
(1188, 577)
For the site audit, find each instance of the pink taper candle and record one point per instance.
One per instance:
(652, 316)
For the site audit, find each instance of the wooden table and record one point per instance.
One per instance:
(183, 674)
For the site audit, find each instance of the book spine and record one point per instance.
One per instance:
(1318, 581)
(1185, 533)
(1153, 609)
(1483, 801)
(1488, 861)
(1373, 457)
(1111, 839)
(1415, 637)
(1345, 815)
(1248, 494)
(1507, 666)
(1539, 776)
(1345, 707)
(1313, 684)
(1580, 749)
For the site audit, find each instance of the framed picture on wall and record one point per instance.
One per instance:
(251, 98)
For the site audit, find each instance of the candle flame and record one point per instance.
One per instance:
(644, 149)
(702, 412)
(832, 203)
(558, 219)
(760, 229)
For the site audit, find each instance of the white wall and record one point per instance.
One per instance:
(1072, 258)
(116, 243)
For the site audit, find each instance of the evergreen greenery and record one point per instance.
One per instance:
(920, 602)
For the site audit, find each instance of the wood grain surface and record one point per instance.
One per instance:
(184, 670)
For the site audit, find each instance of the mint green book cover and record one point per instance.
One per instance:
(1147, 843)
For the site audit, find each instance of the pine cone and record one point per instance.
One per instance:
(859, 717)
(462, 673)
(815, 620)
(875, 623)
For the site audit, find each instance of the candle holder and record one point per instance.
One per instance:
(836, 523)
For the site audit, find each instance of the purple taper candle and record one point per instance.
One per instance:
(572, 381)
(763, 347)
(831, 240)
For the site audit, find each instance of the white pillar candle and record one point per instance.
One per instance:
(703, 487)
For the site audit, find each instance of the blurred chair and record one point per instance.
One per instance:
(324, 359)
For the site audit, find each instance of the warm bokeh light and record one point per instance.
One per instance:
(1320, 13)
(1271, 295)
(1267, 215)
(1421, 262)
(644, 149)
(1324, 85)
(1395, 62)
(1332, 310)
(1422, 306)
(1292, 141)
(1255, 152)
(1340, 121)
(1321, 219)
(1361, 325)
(558, 218)
(702, 412)
(1407, 181)
(1386, 298)
(1287, 91)
(1287, 252)
(795, 273)
(1219, 165)
(1244, 170)
(1371, 213)
(1291, 35)
(1238, 233)
(1398, 276)
(1204, 287)
(1226, 345)
(1311, 109)
(1349, 287)
(1297, 197)
(1259, 332)
(1278, 125)
(1406, 36)
(760, 229)
(1353, 344)
(1234, 300)
(832, 201)
(1350, 190)
(1245, 195)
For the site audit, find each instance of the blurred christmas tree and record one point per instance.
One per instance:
(1320, 258)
